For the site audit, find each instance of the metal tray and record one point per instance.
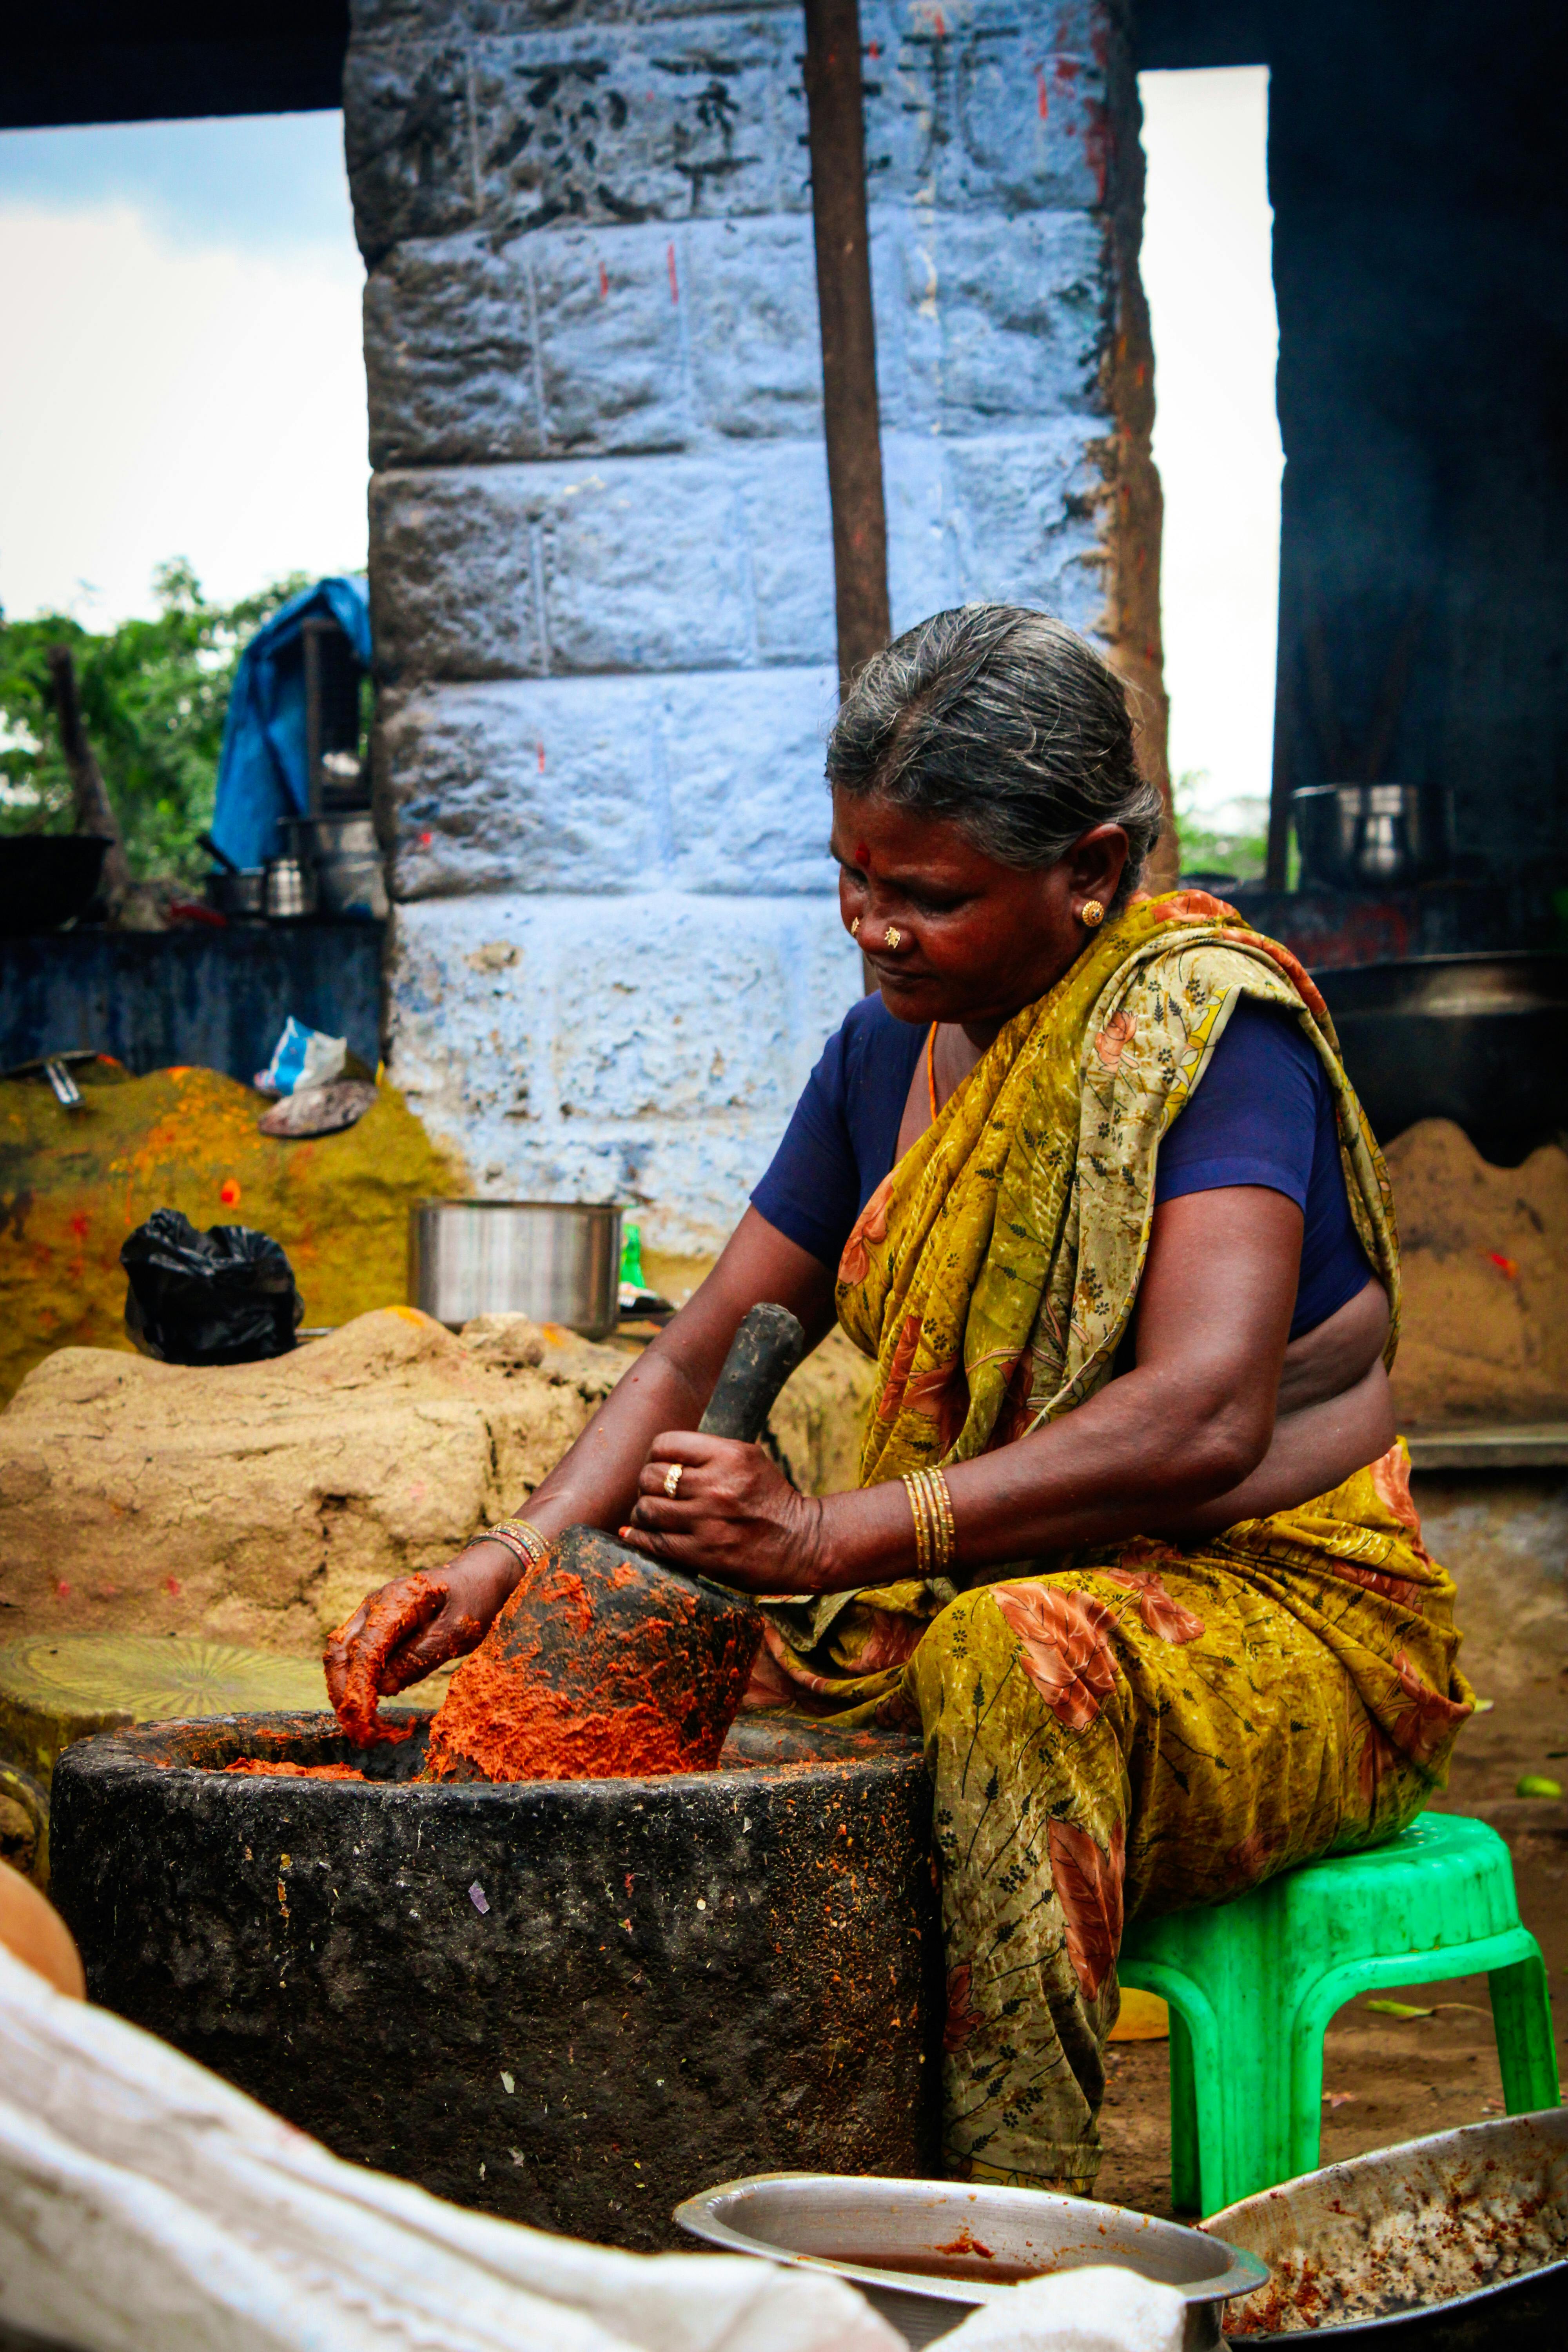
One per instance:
(861, 2227)
(1344, 2244)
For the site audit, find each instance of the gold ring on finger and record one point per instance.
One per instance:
(672, 1476)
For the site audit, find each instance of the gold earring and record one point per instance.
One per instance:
(1093, 914)
(854, 928)
(892, 938)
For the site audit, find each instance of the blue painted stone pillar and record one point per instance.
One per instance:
(600, 558)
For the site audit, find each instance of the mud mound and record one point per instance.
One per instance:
(74, 1183)
(1485, 1254)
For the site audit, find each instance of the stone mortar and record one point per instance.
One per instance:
(572, 2003)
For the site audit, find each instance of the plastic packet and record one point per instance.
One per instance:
(224, 1297)
(302, 1057)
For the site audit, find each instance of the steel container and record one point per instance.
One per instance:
(290, 890)
(351, 833)
(553, 1260)
(1368, 836)
(892, 2239)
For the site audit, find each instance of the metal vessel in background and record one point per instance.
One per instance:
(902, 2241)
(345, 854)
(1475, 1038)
(1368, 836)
(555, 1261)
(289, 891)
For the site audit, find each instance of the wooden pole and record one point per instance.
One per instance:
(853, 427)
(94, 813)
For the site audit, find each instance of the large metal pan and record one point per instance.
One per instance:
(554, 1260)
(926, 2252)
(1452, 2243)
(1474, 1038)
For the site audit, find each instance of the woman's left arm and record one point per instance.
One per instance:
(1191, 1421)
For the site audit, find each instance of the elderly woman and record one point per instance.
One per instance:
(1133, 1545)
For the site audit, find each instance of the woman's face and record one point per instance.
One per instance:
(976, 939)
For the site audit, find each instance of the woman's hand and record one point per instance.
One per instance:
(732, 1515)
(404, 1631)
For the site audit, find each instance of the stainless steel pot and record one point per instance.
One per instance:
(1367, 836)
(893, 2237)
(349, 834)
(290, 890)
(345, 857)
(552, 1260)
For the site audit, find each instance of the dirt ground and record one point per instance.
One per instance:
(1389, 2079)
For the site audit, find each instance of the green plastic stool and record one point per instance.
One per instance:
(1252, 1985)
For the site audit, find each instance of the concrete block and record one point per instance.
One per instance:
(603, 124)
(647, 1048)
(644, 567)
(1001, 319)
(448, 354)
(922, 569)
(407, 140)
(790, 528)
(1025, 516)
(611, 346)
(968, 106)
(756, 347)
(454, 591)
(749, 811)
(520, 787)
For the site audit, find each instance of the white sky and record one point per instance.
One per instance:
(1207, 270)
(180, 369)
(181, 375)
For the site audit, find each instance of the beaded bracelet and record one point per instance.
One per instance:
(525, 1541)
(931, 1507)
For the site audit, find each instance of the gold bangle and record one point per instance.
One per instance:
(519, 1538)
(931, 1507)
(916, 1493)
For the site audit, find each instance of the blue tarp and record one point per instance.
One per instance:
(262, 770)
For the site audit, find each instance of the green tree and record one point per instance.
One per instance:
(1242, 851)
(153, 694)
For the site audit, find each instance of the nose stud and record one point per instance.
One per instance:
(893, 937)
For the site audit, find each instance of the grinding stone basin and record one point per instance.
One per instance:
(573, 2003)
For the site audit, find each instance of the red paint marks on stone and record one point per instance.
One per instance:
(228, 1192)
(261, 1768)
(1097, 148)
(674, 281)
(1507, 1266)
(61, 1588)
(941, 26)
(79, 1223)
(540, 750)
(1042, 96)
(426, 839)
(874, 49)
(604, 282)
(171, 1584)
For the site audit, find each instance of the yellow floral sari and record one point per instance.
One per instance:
(1139, 1726)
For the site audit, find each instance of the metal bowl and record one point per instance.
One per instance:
(1368, 836)
(1442, 2244)
(553, 1260)
(242, 894)
(926, 2252)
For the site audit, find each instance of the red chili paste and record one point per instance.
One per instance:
(264, 1768)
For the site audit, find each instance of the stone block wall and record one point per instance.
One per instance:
(600, 554)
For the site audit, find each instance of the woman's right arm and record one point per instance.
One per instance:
(401, 1633)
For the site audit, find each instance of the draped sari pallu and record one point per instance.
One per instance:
(1138, 1726)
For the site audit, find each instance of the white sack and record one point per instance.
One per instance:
(145, 2202)
(1095, 2310)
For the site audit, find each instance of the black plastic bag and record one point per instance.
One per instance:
(224, 1297)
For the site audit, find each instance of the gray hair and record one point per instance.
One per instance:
(1005, 721)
